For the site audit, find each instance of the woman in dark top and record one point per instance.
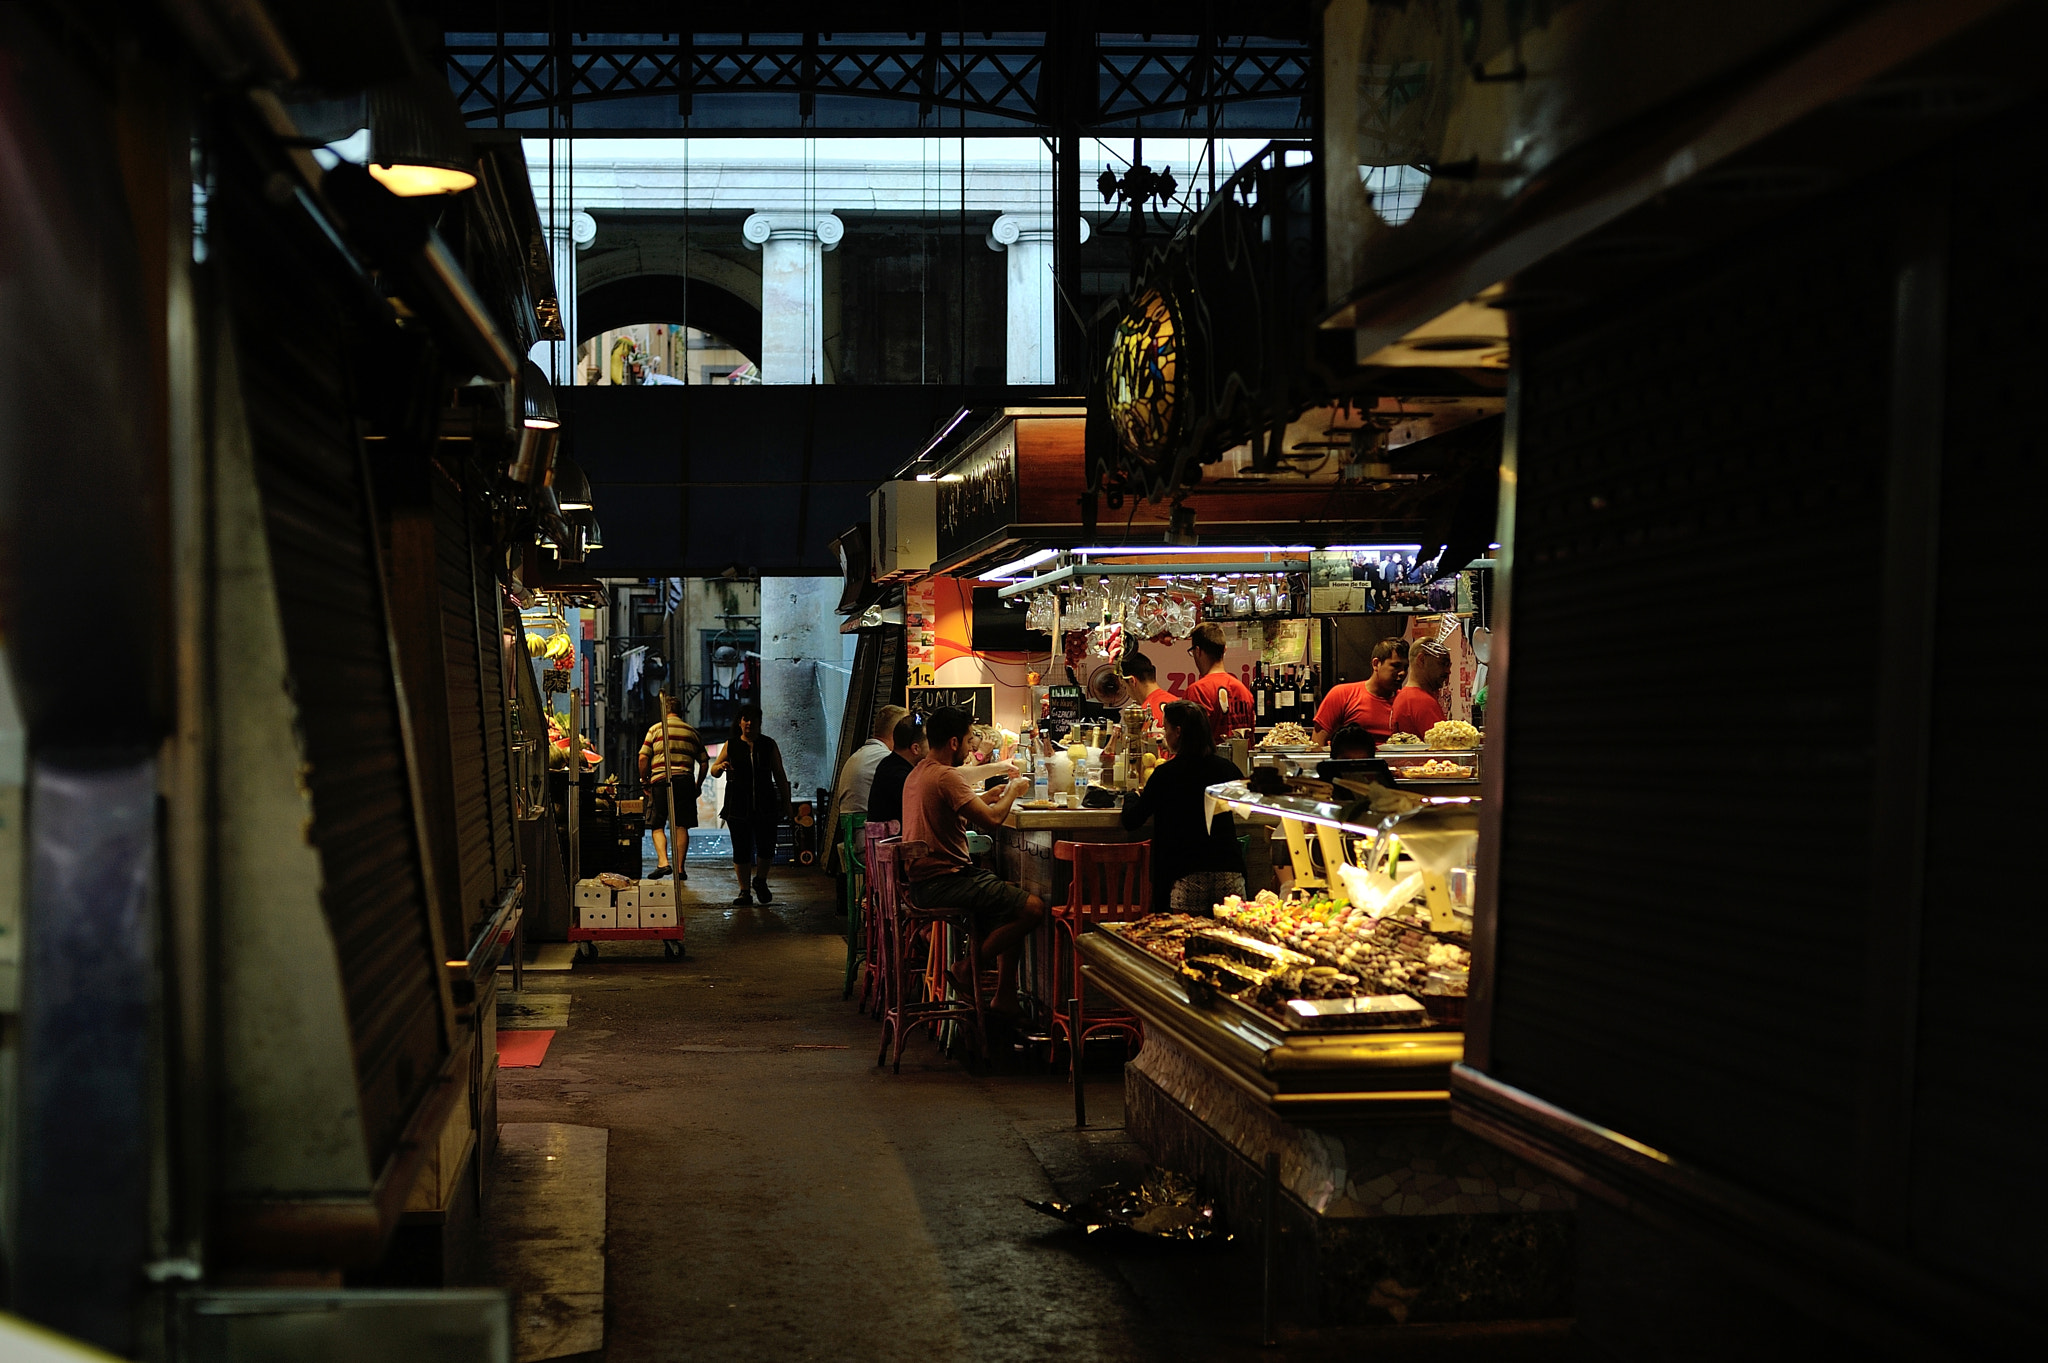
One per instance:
(756, 797)
(1194, 863)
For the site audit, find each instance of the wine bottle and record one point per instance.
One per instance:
(1259, 691)
(1284, 707)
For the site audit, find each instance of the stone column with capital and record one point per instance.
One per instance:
(792, 247)
(1027, 240)
(567, 233)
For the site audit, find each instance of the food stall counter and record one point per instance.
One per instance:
(1068, 820)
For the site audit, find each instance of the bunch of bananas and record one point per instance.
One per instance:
(540, 645)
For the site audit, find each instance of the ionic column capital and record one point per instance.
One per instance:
(822, 228)
(1028, 227)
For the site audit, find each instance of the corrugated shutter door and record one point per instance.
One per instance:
(1689, 635)
(488, 610)
(290, 334)
(454, 563)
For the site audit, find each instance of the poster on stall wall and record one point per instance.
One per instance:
(1456, 697)
(920, 634)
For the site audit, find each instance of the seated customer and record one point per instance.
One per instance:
(885, 796)
(1352, 741)
(1195, 862)
(938, 807)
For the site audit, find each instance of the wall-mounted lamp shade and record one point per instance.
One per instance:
(536, 399)
(572, 489)
(418, 144)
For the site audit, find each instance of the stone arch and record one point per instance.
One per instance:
(630, 299)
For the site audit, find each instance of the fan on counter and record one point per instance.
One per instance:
(1108, 686)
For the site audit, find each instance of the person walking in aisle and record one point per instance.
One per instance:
(1196, 861)
(756, 798)
(671, 746)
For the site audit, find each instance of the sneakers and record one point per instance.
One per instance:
(743, 900)
(761, 890)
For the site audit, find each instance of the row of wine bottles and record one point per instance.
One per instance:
(1286, 691)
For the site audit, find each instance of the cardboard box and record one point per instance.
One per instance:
(658, 916)
(594, 893)
(628, 898)
(627, 917)
(657, 892)
(591, 916)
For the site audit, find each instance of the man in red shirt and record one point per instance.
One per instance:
(1223, 698)
(1369, 703)
(1145, 687)
(939, 805)
(1416, 707)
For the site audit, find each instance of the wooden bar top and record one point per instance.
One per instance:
(1028, 820)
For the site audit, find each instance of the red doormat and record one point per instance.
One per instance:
(522, 1050)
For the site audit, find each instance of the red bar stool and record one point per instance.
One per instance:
(904, 920)
(1111, 883)
(874, 925)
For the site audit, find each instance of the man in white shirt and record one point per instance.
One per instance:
(857, 776)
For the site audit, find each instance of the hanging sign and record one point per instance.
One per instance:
(978, 495)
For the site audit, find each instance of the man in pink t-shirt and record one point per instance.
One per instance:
(1416, 707)
(938, 806)
(1370, 703)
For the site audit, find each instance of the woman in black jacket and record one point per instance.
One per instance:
(1195, 862)
(756, 798)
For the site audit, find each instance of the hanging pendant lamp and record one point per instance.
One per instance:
(418, 144)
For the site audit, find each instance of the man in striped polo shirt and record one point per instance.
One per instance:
(671, 745)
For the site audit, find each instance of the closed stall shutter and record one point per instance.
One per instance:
(1665, 921)
(489, 612)
(454, 566)
(290, 326)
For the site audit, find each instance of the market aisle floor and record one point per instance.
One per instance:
(775, 1196)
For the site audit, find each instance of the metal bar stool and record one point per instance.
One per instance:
(851, 844)
(904, 920)
(873, 920)
(1111, 883)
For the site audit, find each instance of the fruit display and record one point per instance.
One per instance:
(1288, 734)
(1453, 734)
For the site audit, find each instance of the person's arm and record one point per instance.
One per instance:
(988, 816)
(775, 771)
(724, 757)
(646, 764)
(1138, 804)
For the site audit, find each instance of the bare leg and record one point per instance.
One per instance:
(1001, 947)
(660, 846)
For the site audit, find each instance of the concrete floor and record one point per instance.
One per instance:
(774, 1196)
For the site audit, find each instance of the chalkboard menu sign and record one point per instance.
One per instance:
(979, 701)
(1066, 706)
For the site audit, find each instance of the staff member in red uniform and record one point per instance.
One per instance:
(1370, 703)
(1223, 698)
(1145, 687)
(1416, 707)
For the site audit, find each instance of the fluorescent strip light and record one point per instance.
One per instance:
(1019, 565)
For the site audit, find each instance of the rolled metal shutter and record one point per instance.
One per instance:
(454, 568)
(489, 610)
(285, 296)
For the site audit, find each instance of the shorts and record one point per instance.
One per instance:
(654, 807)
(989, 900)
(1199, 892)
(753, 840)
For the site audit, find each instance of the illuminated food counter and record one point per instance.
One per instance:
(1322, 1031)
